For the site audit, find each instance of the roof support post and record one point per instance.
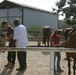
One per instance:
(22, 11)
(7, 13)
(22, 15)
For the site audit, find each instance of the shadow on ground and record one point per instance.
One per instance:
(6, 71)
(45, 53)
(20, 73)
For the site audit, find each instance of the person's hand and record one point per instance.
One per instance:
(58, 44)
(62, 44)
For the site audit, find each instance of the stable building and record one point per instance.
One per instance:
(28, 15)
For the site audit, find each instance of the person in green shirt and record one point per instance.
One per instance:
(11, 55)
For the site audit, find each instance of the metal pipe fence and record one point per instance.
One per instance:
(41, 49)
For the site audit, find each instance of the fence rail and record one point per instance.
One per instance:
(39, 49)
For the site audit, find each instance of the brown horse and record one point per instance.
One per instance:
(71, 43)
(66, 32)
(46, 34)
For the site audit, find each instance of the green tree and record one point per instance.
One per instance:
(68, 8)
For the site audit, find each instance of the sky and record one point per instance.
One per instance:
(42, 4)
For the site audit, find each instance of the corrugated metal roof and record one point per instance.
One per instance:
(11, 4)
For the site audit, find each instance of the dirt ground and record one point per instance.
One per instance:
(38, 63)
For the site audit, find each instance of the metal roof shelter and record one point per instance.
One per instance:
(11, 4)
(28, 15)
(6, 4)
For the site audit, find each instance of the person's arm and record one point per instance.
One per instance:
(14, 42)
(52, 41)
(10, 34)
(55, 45)
(15, 36)
(9, 37)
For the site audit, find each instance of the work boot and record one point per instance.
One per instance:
(11, 65)
(7, 65)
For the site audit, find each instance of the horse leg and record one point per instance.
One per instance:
(48, 41)
(45, 41)
(74, 67)
(69, 71)
(45, 44)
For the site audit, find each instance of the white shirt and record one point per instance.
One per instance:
(21, 36)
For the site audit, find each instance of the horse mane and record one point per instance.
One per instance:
(70, 41)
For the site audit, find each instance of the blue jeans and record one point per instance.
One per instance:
(57, 57)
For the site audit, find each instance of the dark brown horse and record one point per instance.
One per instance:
(46, 34)
(66, 32)
(71, 43)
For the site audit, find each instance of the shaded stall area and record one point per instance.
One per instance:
(6, 4)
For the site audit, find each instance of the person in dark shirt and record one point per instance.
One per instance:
(11, 55)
